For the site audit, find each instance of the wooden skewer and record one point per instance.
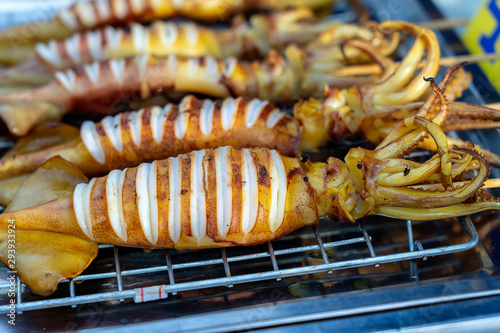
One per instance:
(444, 24)
(495, 106)
(492, 183)
(374, 69)
(470, 58)
(439, 24)
(489, 183)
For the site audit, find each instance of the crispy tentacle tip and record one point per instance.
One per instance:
(440, 115)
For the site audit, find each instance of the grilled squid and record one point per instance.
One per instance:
(227, 196)
(251, 39)
(107, 86)
(90, 15)
(153, 133)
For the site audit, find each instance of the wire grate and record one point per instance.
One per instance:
(150, 290)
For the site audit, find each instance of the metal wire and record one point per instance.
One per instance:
(411, 245)
(170, 270)
(415, 251)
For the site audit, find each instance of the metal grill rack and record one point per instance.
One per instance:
(150, 290)
(336, 248)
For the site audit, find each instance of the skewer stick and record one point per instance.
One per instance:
(374, 69)
(439, 24)
(470, 58)
(444, 24)
(495, 106)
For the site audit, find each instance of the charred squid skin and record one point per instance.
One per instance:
(227, 196)
(185, 39)
(107, 87)
(208, 198)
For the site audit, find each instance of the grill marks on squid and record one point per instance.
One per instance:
(183, 197)
(81, 204)
(173, 122)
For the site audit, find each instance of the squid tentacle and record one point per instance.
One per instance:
(346, 109)
(407, 138)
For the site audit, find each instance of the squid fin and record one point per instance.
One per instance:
(54, 179)
(43, 259)
(42, 137)
(20, 117)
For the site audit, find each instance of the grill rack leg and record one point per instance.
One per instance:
(170, 270)
(368, 241)
(321, 247)
(19, 289)
(118, 270)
